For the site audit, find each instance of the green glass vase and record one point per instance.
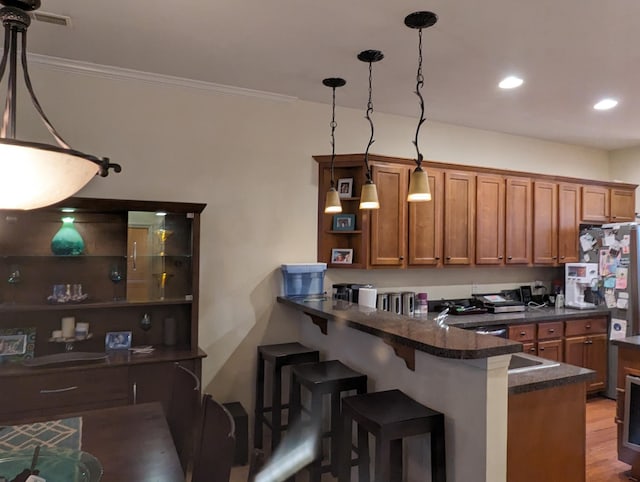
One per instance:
(67, 241)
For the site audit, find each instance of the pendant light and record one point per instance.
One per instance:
(332, 203)
(34, 174)
(369, 195)
(419, 190)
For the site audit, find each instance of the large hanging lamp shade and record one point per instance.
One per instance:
(33, 174)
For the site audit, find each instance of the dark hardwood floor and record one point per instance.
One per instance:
(602, 456)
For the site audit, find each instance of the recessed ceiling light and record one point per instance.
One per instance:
(510, 82)
(606, 104)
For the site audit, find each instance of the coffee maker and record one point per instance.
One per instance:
(580, 277)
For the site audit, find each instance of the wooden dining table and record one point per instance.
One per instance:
(132, 442)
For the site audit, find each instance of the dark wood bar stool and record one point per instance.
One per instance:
(324, 378)
(278, 356)
(389, 416)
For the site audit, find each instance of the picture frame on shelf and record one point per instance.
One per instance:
(344, 222)
(342, 256)
(117, 340)
(345, 187)
(12, 345)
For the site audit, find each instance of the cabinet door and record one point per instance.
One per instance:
(518, 221)
(623, 205)
(595, 204)
(551, 350)
(574, 350)
(568, 223)
(425, 225)
(596, 359)
(489, 219)
(153, 382)
(545, 222)
(389, 224)
(459, 216)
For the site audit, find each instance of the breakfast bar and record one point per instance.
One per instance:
(458, 372)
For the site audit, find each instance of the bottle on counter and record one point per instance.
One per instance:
(560, 300)
(421, 308)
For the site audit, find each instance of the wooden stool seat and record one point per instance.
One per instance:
(390, 416)
(324, 378)
(278, 356)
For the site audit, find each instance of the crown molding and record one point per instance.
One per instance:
(118, 73)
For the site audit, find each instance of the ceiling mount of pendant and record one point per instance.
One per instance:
(27, 5)
(334, 82)
(420, 19)
(370, 56)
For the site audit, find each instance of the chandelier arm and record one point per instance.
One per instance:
(3, 67)
(419, 85)
(27, 80)
(9, 114)
(368, 117)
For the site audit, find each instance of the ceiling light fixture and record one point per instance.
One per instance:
(34, 174)
(332, 203)
(606, 104)
(369, 194)
(510, 82)
(419, 190)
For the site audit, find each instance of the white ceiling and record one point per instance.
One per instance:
(571, 53)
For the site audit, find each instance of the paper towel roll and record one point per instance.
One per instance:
(367, 297)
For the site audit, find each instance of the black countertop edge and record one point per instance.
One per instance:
(548, 378)
(531, 316)
(629, 342)
(421, 334)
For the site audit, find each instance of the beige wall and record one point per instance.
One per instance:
(625, 166)
(249, 159)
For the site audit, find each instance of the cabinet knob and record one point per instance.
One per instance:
(401, 258)
(499, 257)
(523, 333)
(509, 257)
(554, 257)
(532, 349)
(552, 330)
(437, 258)
(448, 258)
(588, 327)
(541, 348)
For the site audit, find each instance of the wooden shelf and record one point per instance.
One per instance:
(357, 231)
(9, 307)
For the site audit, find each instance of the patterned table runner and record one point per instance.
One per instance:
(65, 433)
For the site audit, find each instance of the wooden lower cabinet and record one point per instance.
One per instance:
(546, 435)
(551, 350)
(589, 352)
(628, 364)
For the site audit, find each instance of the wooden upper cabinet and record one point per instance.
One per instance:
(490, 219)
(568, 222)
(389, 223)
(623, 205)
(425, 225)
(595, 204)
(545, 222)
(459, 217)
(518, 221)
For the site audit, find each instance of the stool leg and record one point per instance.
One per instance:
(396, 460)
(315, 467)
(276, 407)
(259, 407)
(382, 459)
(335, 433)
(438, 456)
(344, 469)
(363, 455)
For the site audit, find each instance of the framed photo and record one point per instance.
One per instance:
(345, 187)
(341, 256)
(117, 340)
(344, 222)
(11, 345)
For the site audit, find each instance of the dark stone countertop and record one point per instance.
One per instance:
(629, 342)
(421, 334)
(548, 378)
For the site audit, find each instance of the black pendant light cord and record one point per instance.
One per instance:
(368, 117)
(419, 85)
(333, 136)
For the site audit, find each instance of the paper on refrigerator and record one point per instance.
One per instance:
(618, 329)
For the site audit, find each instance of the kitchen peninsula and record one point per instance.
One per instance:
(458, 372)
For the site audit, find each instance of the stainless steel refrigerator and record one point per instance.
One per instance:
(616, 249)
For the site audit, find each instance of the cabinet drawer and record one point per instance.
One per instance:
(587, 326)
(552, 329)
(63, 390)
(522, 332)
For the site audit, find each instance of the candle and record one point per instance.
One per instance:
(82, 329)
(68, 327)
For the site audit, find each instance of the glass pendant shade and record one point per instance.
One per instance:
(32, 176)
(369, 196)
(67, 241)
(332, 203)
(419, 189)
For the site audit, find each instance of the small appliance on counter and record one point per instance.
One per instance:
(580, 278)
(464, 306)
(498, 303)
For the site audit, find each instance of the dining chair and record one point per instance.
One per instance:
(183, 412)
(215, 444)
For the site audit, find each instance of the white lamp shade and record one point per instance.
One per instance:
(419, 189)
(369, 197)
(33, 177)
(332, 203)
